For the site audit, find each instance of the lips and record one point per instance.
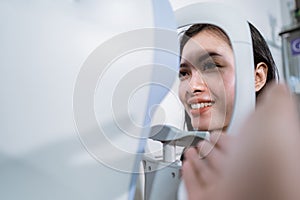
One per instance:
(198, 106)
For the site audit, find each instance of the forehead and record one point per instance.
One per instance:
(207, 41)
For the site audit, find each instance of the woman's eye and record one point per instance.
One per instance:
(210, 65)
(183, 73)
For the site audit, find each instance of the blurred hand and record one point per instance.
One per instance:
(262, 162)
(203, 165)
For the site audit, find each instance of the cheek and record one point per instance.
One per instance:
(182, 91)
(230, 93)
(230, 87)
(223, 89)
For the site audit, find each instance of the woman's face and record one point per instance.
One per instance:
(207, 81)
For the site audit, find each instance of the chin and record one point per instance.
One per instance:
(200, 127)
(208, 123)
(206, 127)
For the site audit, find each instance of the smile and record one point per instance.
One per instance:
(201, 105)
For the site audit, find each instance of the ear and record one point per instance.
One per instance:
(261, 72)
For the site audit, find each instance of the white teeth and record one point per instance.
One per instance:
(200, 105)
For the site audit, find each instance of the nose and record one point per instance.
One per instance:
(197, 82)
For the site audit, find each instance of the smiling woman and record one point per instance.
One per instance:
(206, 72)
(207, 89)
(207, 75)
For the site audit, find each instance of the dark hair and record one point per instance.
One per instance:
(261, 51)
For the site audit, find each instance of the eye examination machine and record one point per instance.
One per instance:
(85, 119)
(166, 172)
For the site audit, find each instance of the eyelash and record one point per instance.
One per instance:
(209, 65)
(183, 73)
